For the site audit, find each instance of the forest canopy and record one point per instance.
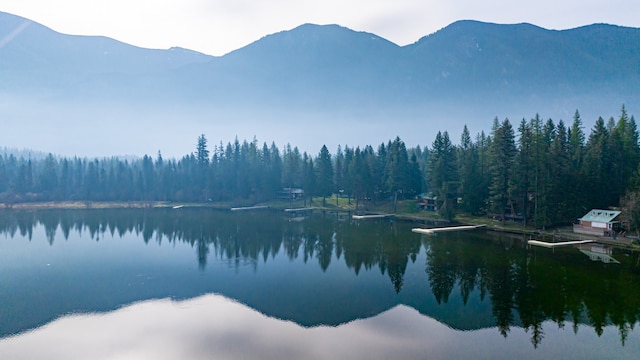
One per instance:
(536, 171)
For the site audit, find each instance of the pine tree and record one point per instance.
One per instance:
(48, 179)
(523, 170)
(396, 169)
(274, 170)
(623, 144)
(292, 167)
(575, 192)
(309, 174)
(377, 166)
(544, 179)
(596, 165)
(324, 170)
(202, 160)
(502, 152)
(471, 177)
(560, 176)
(415, 177)
(148, 179)
(360, 171)
(347, 176)
(202, 153)
(442, 174)
(338, 173)
(483, 146)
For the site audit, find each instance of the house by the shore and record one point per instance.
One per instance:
(598, 222)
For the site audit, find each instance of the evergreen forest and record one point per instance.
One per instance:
(538, 172)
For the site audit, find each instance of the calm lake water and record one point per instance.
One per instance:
(203, 284)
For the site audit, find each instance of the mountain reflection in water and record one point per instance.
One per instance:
(318, 272)
(213, 326)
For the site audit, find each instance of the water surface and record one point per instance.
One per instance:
(198, 283)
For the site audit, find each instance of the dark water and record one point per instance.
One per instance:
(198, 283)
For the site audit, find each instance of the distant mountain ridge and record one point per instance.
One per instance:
(468, 68)
(311, 60)
(40, 58)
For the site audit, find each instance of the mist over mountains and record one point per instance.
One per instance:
(312, 85)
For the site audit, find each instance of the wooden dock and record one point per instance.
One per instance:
(364, 217)
(298, 209)
(444, 229)
(558, 244)
(249, 208)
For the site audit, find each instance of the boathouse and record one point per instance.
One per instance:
(598, 222)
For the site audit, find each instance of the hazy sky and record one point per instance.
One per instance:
(218, 26)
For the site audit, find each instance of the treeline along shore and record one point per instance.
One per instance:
(538, 172)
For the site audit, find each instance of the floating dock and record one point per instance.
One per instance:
(444, 229)
(363, 217)
(558, 244)
(298, 209)
(249, 208)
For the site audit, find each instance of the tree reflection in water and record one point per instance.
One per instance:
(525, 287)
(530, 286)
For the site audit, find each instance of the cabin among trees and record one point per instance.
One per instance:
(598, 222)
(291, 194)
(427, 202)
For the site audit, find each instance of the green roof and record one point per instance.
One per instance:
(600, 216)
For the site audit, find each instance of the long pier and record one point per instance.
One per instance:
(444, 229)
(249, 208)
(558, 244)
(363, 217)
(298, 209)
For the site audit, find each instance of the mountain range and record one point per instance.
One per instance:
(307, 86)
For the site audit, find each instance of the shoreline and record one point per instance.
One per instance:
(557, 234)
(85, 205)
(62, 205)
